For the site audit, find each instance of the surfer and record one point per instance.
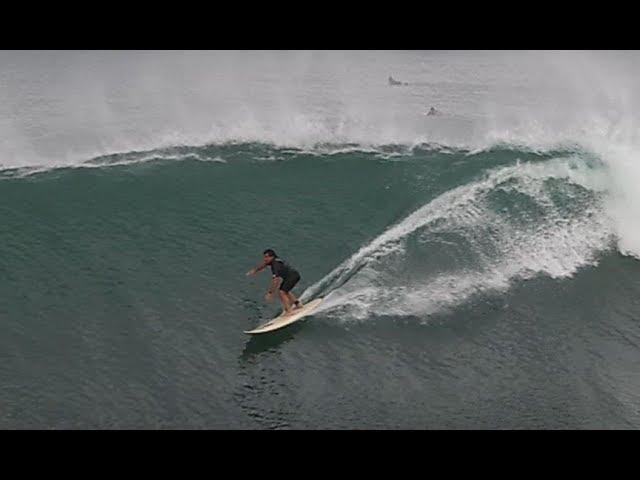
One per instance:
(282, 273)
(393, 81)
(432, 112)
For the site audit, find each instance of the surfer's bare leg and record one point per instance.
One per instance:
(284, 298)
(294, 301)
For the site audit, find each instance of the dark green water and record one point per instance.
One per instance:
(466, 290)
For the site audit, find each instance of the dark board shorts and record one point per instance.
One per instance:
(290, 282)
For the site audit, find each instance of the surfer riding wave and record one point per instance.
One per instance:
(282, 273)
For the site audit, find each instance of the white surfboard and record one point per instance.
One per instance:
(284, 320)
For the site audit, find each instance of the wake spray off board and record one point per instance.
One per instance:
(284, 320)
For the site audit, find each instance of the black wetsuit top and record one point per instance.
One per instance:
(282, 269)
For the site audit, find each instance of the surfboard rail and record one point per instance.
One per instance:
(284, 320)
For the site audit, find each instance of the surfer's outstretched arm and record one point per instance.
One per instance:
(257, 269)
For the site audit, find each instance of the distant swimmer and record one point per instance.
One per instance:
(433, 111)
(283, 274)
(392, 81)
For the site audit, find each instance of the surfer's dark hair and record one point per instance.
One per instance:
(269, 252)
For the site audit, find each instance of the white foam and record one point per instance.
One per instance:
(109, 161)
(556, 245)
(539, 100)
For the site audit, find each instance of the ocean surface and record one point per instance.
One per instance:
(480, 267)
